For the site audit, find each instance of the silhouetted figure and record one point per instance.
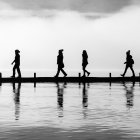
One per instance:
(129, 63)
(16, 91)
(17, 64)
(84, 63)
(129, 95)
(60, 64)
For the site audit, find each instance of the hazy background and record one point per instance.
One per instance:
(39, 28)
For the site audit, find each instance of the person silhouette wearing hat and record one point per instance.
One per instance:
(129, 64)
(84, 63)
(60, 64)
(17, 64)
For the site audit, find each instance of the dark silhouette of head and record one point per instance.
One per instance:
(84, 51)
(128, 52)
(60, 51)
(17, 51)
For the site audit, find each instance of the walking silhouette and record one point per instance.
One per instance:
(60, 64)
(84, 63)
(17, 64)
(129, 64)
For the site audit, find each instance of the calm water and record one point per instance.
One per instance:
(63, 111)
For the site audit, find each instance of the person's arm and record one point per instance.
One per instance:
(57, 59)
(12, 62)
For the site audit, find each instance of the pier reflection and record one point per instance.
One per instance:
(129, 94)
(16, 91)
(60, 98)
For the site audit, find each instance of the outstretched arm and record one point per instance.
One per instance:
(12, 62)
(125, 62)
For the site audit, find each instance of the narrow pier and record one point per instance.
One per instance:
(78, 79)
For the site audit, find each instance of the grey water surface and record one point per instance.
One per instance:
(69, 111)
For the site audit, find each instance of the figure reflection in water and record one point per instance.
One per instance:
(16, 91)
(85, 96)
(129, 95)
(60, 92)
(85, 99)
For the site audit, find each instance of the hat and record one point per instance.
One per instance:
(17, 51)
(61, 50)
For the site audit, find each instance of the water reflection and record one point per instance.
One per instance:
(129, 95)
(85, 99)
(60, 99)
(85, 96)
(16, 91)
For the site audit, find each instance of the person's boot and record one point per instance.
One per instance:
(88, 73)
(122, 75)
(65, 75)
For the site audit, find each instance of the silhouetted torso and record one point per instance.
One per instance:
(85, 59)
(129, 60)
(17, 59)
(60, 60)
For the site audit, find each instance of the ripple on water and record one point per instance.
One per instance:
(69, 110)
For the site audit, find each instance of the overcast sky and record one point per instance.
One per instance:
(83, 6)
(77, 5)
(105, 28)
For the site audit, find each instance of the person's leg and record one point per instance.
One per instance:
(58, 71)
(18, 70)
(132, 71)
(125, 71)
(84, 71)
(14, 69)
(65, 74)
(88, 73)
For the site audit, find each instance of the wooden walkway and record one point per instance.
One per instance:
(69, 79)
